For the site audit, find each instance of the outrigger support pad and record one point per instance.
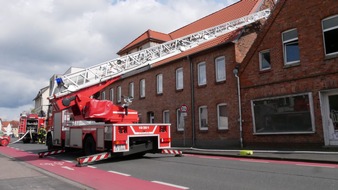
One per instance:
(52, 152)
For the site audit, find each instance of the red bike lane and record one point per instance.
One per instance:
(88, 176)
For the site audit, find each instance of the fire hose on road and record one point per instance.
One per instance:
(23, 136)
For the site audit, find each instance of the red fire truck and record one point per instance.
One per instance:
(29, 127)
(82, 122)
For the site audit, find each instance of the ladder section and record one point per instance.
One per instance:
(93, 75)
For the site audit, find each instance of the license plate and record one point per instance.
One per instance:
(120, 147)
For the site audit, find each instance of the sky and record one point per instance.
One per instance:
(40, 38)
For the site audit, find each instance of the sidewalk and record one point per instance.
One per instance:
(321, 156)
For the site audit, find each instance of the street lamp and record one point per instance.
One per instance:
(236, 71)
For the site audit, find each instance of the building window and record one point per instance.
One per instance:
(142, 88)
(222, 117)
(179, 79)
(166, 116)
(103, 95)
(264, 60)
(290, 47)
(203, 118)
(112, 94)
(159, 84)
(202, 74)
(119, 94)
(131, 90)
(180, 120)
(330, 30)
(287, 114)
(220, 69)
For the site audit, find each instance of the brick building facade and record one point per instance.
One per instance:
(201, 78)
(289, 78)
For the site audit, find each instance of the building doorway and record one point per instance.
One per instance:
(330, 117)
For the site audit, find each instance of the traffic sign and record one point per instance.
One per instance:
(184, 108)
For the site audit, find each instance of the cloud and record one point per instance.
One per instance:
(44, 37)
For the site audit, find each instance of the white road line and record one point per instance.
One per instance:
(69, 161)
(66, 167)
(314, 165)
(255, 161)
(171, 185)
(119, 173)
(209, 157)
(91, 166)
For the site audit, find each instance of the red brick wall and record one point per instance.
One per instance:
(313, 74)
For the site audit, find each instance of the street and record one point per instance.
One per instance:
(194, 171)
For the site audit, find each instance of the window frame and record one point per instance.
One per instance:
(159, 84)
(218, 79)
(218, 117)
(103, 95)
(164, 116)
(261, 60)
(179, 80)
(142, 88)
(111, 94)
(327, 30)
(287, 42)
(179, 116)
(131, 90)
(119, 94)
(200, 119)
(200, 74)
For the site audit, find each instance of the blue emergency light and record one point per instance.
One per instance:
(59, 81)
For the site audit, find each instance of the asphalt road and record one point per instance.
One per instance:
(212, 172)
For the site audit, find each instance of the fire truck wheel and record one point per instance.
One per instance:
(4, 142)
(89, 146)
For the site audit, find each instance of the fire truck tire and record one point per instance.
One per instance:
(89, 146)
(4, 142)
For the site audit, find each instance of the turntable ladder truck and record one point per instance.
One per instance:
(83, 122)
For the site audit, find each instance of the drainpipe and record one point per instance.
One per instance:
(192, 100)
(235, 71)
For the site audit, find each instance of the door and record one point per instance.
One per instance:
(330, 117)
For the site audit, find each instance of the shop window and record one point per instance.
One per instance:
(288, 114)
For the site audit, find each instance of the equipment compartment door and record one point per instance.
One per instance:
(75, 138)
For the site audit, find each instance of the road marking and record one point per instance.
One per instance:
(255, 161)
(209, 157)
(119, 173)
(315, 165)
(68, 168)
(68, 161)
(91, 166)
(171, 185)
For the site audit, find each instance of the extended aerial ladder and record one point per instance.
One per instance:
(74, 92)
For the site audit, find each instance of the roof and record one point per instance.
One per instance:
(41, 91)
(147, 36)
(260, 37)
(234, 11)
